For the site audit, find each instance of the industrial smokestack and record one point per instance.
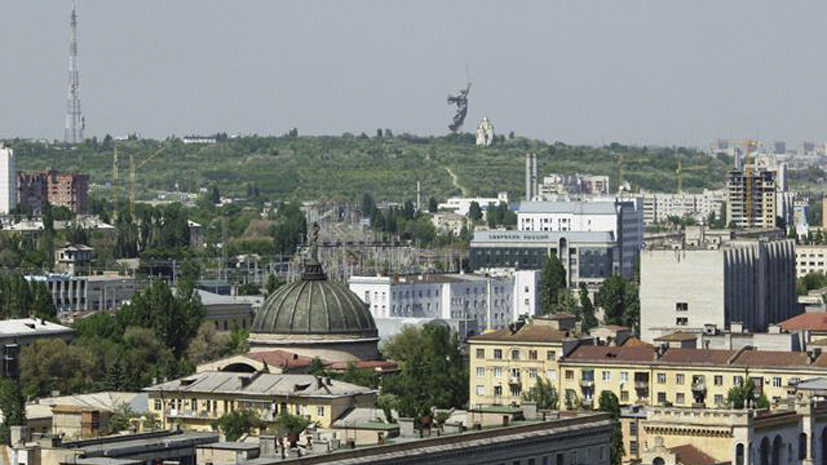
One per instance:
(528, 189)
(533, 175)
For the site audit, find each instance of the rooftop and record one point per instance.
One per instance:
(578, 208)
(526, 333)
(688, 454)
(808, 321)
(261, 384)
(30, 327)
(677, 336)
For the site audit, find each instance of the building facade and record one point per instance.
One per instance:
(810, 259)
(746, 281)
(8, 180)
(658, 207)
(72, 294)
(461, 205)
(757, 210)
(485, 301)
(68, 190)
(557, 184)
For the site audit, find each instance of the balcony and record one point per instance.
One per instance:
(514, 381)
(699, 387)
(587, 382)
(642, 384)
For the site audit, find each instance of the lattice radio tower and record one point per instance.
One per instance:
(75, 122)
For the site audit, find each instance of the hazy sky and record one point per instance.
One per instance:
(671, 72)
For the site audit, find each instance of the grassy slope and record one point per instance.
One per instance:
(314, 167)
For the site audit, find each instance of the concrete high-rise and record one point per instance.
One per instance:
(752, 199)
(8, 180)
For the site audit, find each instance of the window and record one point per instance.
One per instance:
(498, 390)
(776, 381)
(624, 396)
(515, 390)
(738, 380)
(551, 355)
(498, 354)
(320, 411)
(551, 375)
(719, 380)
(682, 321)
(682, 306)
(633, 427)
(532, 373)
(661, 397)
(606, 375)
(532, 355)
(158, 404)
(498, 372)
(624, 376)
(480, 353)
(515, 354)
(680, 398)
(680, 378)
(661, 378)
(633, 448)
(569, 374)
(480, 390)
(515, 372)
(719, 399)
(480, 372)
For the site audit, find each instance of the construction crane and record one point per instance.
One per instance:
(681, 169)
(749, 160)
(132, 170)
(116, 189)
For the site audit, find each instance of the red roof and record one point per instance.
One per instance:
(612, 354)
(811, 321)
(281, 358)
(688, 454)
(378, 365)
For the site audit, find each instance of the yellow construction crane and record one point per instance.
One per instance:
(749, 161)
(132, 170)
(681, 169)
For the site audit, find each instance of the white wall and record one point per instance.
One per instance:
(8, 180)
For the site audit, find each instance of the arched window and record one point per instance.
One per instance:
(765, 452)
(658, 461)
(777, 449)
(802, 446)
(739, 454)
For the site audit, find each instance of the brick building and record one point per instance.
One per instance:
(60, 189)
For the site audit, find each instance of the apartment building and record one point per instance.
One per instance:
(757, 210)
(810, 259)
(506, 363)
(557, 184)
(681, 377)
(89, 293)
(198, 400)
(8, 180)
(658, 207)
(68, 190)
(746, 281)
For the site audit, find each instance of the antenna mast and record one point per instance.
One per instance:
(75, 122)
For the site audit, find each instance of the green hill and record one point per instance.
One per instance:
(348, 166)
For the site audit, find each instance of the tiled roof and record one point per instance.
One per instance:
(811, 321)
(696, 356)
(260, 384)
(635, 342)
(769, 359)
(612, 354)
(280, 358)
(677, 336)
(528, 333)
(687, 454)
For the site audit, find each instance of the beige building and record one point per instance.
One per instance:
(751, 199)
(680, 377)
(197, 400)
(747, 281)
(506, 363)
(810, 259)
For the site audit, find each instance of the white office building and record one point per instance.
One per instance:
(623, 218)
(658, 206)
(461, 205)
(8, 180)
(471, 303)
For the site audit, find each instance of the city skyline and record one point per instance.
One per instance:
(640, 72)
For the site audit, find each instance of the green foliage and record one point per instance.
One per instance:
(13, 406)
(209, 344)
(20, 298)
(238, 423)
(552, 280)
(433, 206)
(49, 365)
(475, 212)
(587, 317)
(174, 319)
(500, 215)
(620, 302)
(543, 393)
(609, 403)
(743, 396)
(121, 418)
(287, 423)
(290, 228)
(433, 373)
(273, 284)
(810, 282)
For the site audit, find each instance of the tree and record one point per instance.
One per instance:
(121, 418)
(433, 207)
(13, 406)
(273, 284)
(587, 318)
(620, 302)
(743, 396)
(208, 344)
(552, 280)
(291, 425)
(475, 212)
(290, 229)
(52, 365)
(566, 302)
(43, 307)
(609, 403)
(544, 394)
(238, 423)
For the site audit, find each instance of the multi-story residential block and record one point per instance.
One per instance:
(199, 399)
(681, 377)
(508, 362)
(752, 200)
(472, 302)
(73, 259)
(8, 180)
(659, 207)
(588, 257)
(746, 281)
(556, 184)
(810, 259)
(68, 190)
(622, 218)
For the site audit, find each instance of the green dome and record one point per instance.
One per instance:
(314, 306)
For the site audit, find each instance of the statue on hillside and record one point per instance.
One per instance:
(461, 101)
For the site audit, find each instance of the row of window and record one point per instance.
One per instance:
(680, 378)
(515, 372)
(551, 355)
(211, 406)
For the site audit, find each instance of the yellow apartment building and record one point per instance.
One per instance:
(680, 377)
(507, 362)
(195, 401)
